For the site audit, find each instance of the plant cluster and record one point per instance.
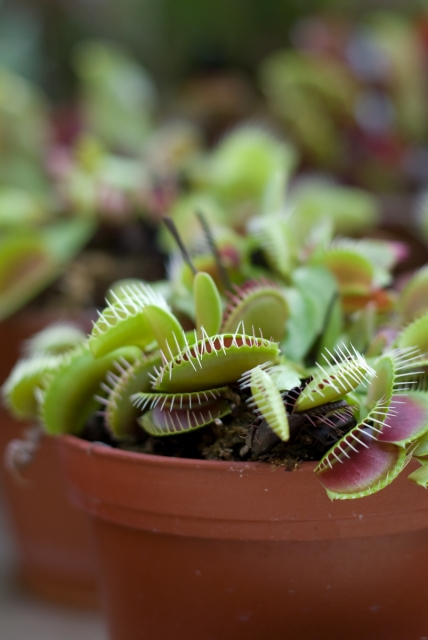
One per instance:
(319, 362)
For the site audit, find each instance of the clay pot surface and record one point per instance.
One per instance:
(205, 550)
(53, 539)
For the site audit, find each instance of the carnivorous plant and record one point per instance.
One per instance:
(226, 390)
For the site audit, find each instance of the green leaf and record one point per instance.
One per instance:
(285, 376)
(414, 335)
(309, 302)
(413, 300)
(55, 339)
(166, 329)
(353, 272)
(207, 304)
(244, 162)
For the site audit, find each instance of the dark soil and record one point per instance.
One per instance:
(241, 436)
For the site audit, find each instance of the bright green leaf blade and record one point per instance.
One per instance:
(208, 304)
(309, 303)
(66, 238)
(26, 267)
(167, 330)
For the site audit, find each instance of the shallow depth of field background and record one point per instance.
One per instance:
(177, 41)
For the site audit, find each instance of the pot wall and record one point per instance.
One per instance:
(196, 550)
(52, 538)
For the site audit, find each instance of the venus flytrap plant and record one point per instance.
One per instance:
(56, 339)
(266, 402)
(229, 392)
(231, 380)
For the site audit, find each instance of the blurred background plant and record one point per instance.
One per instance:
(104, 129)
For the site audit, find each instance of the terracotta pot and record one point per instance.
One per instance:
(52, 538)
(198, 550)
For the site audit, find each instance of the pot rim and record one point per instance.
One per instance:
(217, 499)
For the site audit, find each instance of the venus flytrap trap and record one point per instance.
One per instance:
(377, 449)
(124, 321)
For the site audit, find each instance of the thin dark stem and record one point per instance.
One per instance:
(174, 232)
(210, 238)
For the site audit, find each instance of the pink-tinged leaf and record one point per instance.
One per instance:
(358, 465)
(407, 418)
(420, 476)
(160, 422)
(363, 472)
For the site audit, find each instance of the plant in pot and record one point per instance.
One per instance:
(196, 453)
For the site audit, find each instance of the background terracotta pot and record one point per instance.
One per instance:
(192, 549)
(52, 538)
